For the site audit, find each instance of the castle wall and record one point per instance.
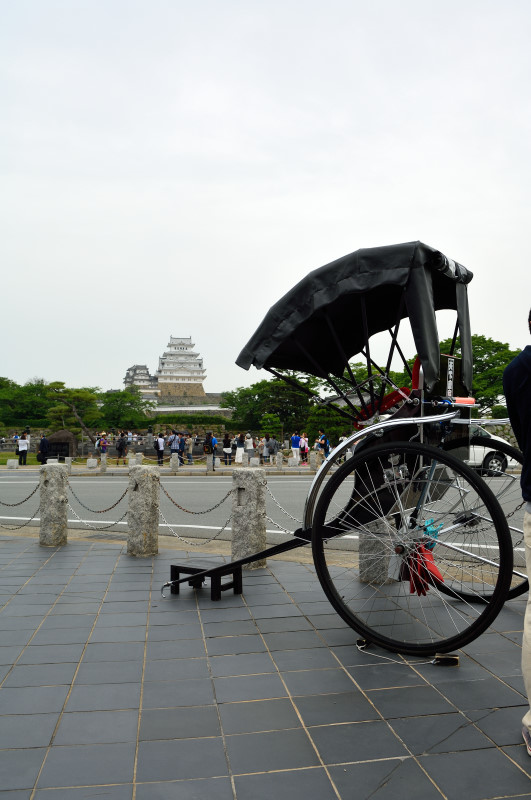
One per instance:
(168, 390)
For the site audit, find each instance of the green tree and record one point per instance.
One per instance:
(490, 359)
(125, 408)
(272, 425)
(74, 409)
(289, 403)
(24, 405)
(325, 418)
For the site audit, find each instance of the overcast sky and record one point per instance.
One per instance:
(173, 168)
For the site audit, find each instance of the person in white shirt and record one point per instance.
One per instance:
(23, 447)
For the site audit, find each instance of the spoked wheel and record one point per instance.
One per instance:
(396, 523)
(499, 467)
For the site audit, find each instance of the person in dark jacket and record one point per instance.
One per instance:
(121, 448)
(44, 449)
(517, 388)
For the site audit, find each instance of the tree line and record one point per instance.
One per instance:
(268, 406)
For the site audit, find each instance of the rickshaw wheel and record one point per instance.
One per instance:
(394, 524)
(505, 485)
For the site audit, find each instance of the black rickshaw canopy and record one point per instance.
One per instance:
(330, 315)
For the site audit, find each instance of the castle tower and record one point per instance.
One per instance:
(180, 372)
(138, 375)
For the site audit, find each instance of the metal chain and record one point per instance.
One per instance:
(298, 521)
(187, 541)
(187, 510)
(93, 527)
(12, 505)
(18, 527)
(284, 530)
(93, 511)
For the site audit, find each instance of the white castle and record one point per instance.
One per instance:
(180, 373)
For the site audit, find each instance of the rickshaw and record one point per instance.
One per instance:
(413, 548)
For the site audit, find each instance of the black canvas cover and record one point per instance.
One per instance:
(327, 317)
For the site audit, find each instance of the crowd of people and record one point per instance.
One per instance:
(231, 448)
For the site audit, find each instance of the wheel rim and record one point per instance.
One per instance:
(403, 496)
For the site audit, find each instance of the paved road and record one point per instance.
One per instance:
(193, 493)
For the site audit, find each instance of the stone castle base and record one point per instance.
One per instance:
(180, 390)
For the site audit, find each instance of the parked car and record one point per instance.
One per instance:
(489, 455)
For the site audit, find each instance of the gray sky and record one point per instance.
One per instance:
(170, 167)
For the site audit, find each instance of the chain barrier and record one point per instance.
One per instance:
(95, 511)
(298, 521)
(187, 541)
(188, 511)
(19, 527)
(93, 527)
(280, 527)
(12, 505)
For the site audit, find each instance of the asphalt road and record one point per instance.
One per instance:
(194, 493)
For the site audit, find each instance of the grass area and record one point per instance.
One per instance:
(5, 454)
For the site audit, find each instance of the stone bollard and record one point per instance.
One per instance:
(139, 459)
(293, 462)
(53, 505)
(143, 511)
(103, 462)
(254, 461)
(245, 459)
(210, 462)
(174, 462)
(248, 515)
(92, 463)
(316, 459)
(375, 552)
(68, 464)
(131, 460)
(12, 463)
(279, 458)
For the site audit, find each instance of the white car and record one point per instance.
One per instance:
(491, 454)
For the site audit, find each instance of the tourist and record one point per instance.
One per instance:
(240, 447)
(260, 449)
(209, 447)
(44, 449)
(266, 452)
(103, 443)
(322, 443)
(23, 447)
(189, 443)
(295, 446)
(181, 443)
(173, 442)
(273, 448)
(227, 450)
(517, 388)
(249, 444)
(303, 447)
(160, 449)
(121, 448)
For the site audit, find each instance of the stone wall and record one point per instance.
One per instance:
(177, 390)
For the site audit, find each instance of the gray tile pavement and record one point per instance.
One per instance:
(108, 690)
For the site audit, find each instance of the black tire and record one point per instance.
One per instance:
(505, 485)
(493, 464)
(385, 499)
